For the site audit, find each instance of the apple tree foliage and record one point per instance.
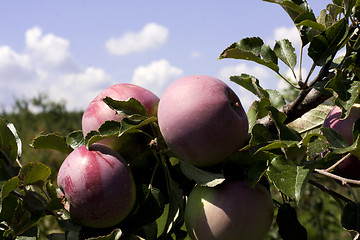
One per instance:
(287, 149)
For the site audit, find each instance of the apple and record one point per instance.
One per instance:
(350, 167)
(202, 120)
(98, 111)
(98, 186)
(231, 210)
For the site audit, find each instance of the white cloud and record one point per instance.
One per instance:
(46, 66)
(257, 71)
(49, 48)
(80, 88)
(290, 33)
(151, 36)
(11, 62)
(156, 76)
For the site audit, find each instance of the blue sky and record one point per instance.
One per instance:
(71, 50)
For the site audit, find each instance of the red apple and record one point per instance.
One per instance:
(98, 111)
(350, 167)
(202, 120)
(98, 186)
(231, 210)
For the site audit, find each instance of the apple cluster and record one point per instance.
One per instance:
(201, 122)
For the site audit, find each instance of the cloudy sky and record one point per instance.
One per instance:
(71, 50)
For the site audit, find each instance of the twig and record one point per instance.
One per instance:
(336, 177)
(338, 162)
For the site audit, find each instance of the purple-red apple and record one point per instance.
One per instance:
(350, 167)
(202, 120)
(98, 186)
(98, 111)
(231, 210)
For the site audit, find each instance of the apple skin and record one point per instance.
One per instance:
(98, 186)
(231, 210)
(202, 120)
(350, 167)
(98, 111)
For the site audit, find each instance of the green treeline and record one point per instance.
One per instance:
(42, 115)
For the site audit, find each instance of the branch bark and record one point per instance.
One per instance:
(308, 99)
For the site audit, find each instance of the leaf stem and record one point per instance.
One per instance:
(310, 73)
(300, 61)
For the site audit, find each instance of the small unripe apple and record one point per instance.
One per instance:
(229, 211)
(350, 167)
(98, 111)
(98, 186)
(202, 120)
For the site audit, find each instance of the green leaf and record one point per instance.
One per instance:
(9, 186)
(114, 235)
(257, 111)
(354, 149)
(34, 172)
(53, 141)
(286, 52)
(151, 205)
(260, 135)
(324, 45)
(288, 177)
(285, 133)
(251, 84)
(289, 226)
(10, 143)
(311, 120)
(129, 107)
(175, 215)
(276, 99)
(293, 8)
(202, 177)
(345, 90)
(244, 165)
(8, 206)
(252, 49)
(313, 24)
(75, 139)
(276, 144)
(335, 139)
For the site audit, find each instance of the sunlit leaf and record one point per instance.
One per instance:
(201, 177)
(34, 172)
(324, 45)
(75, 139)
(286, 52)
(252, 49)
(9, 186)
(52, 141)
(10, 143)
(312, 119)
(288, 177)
